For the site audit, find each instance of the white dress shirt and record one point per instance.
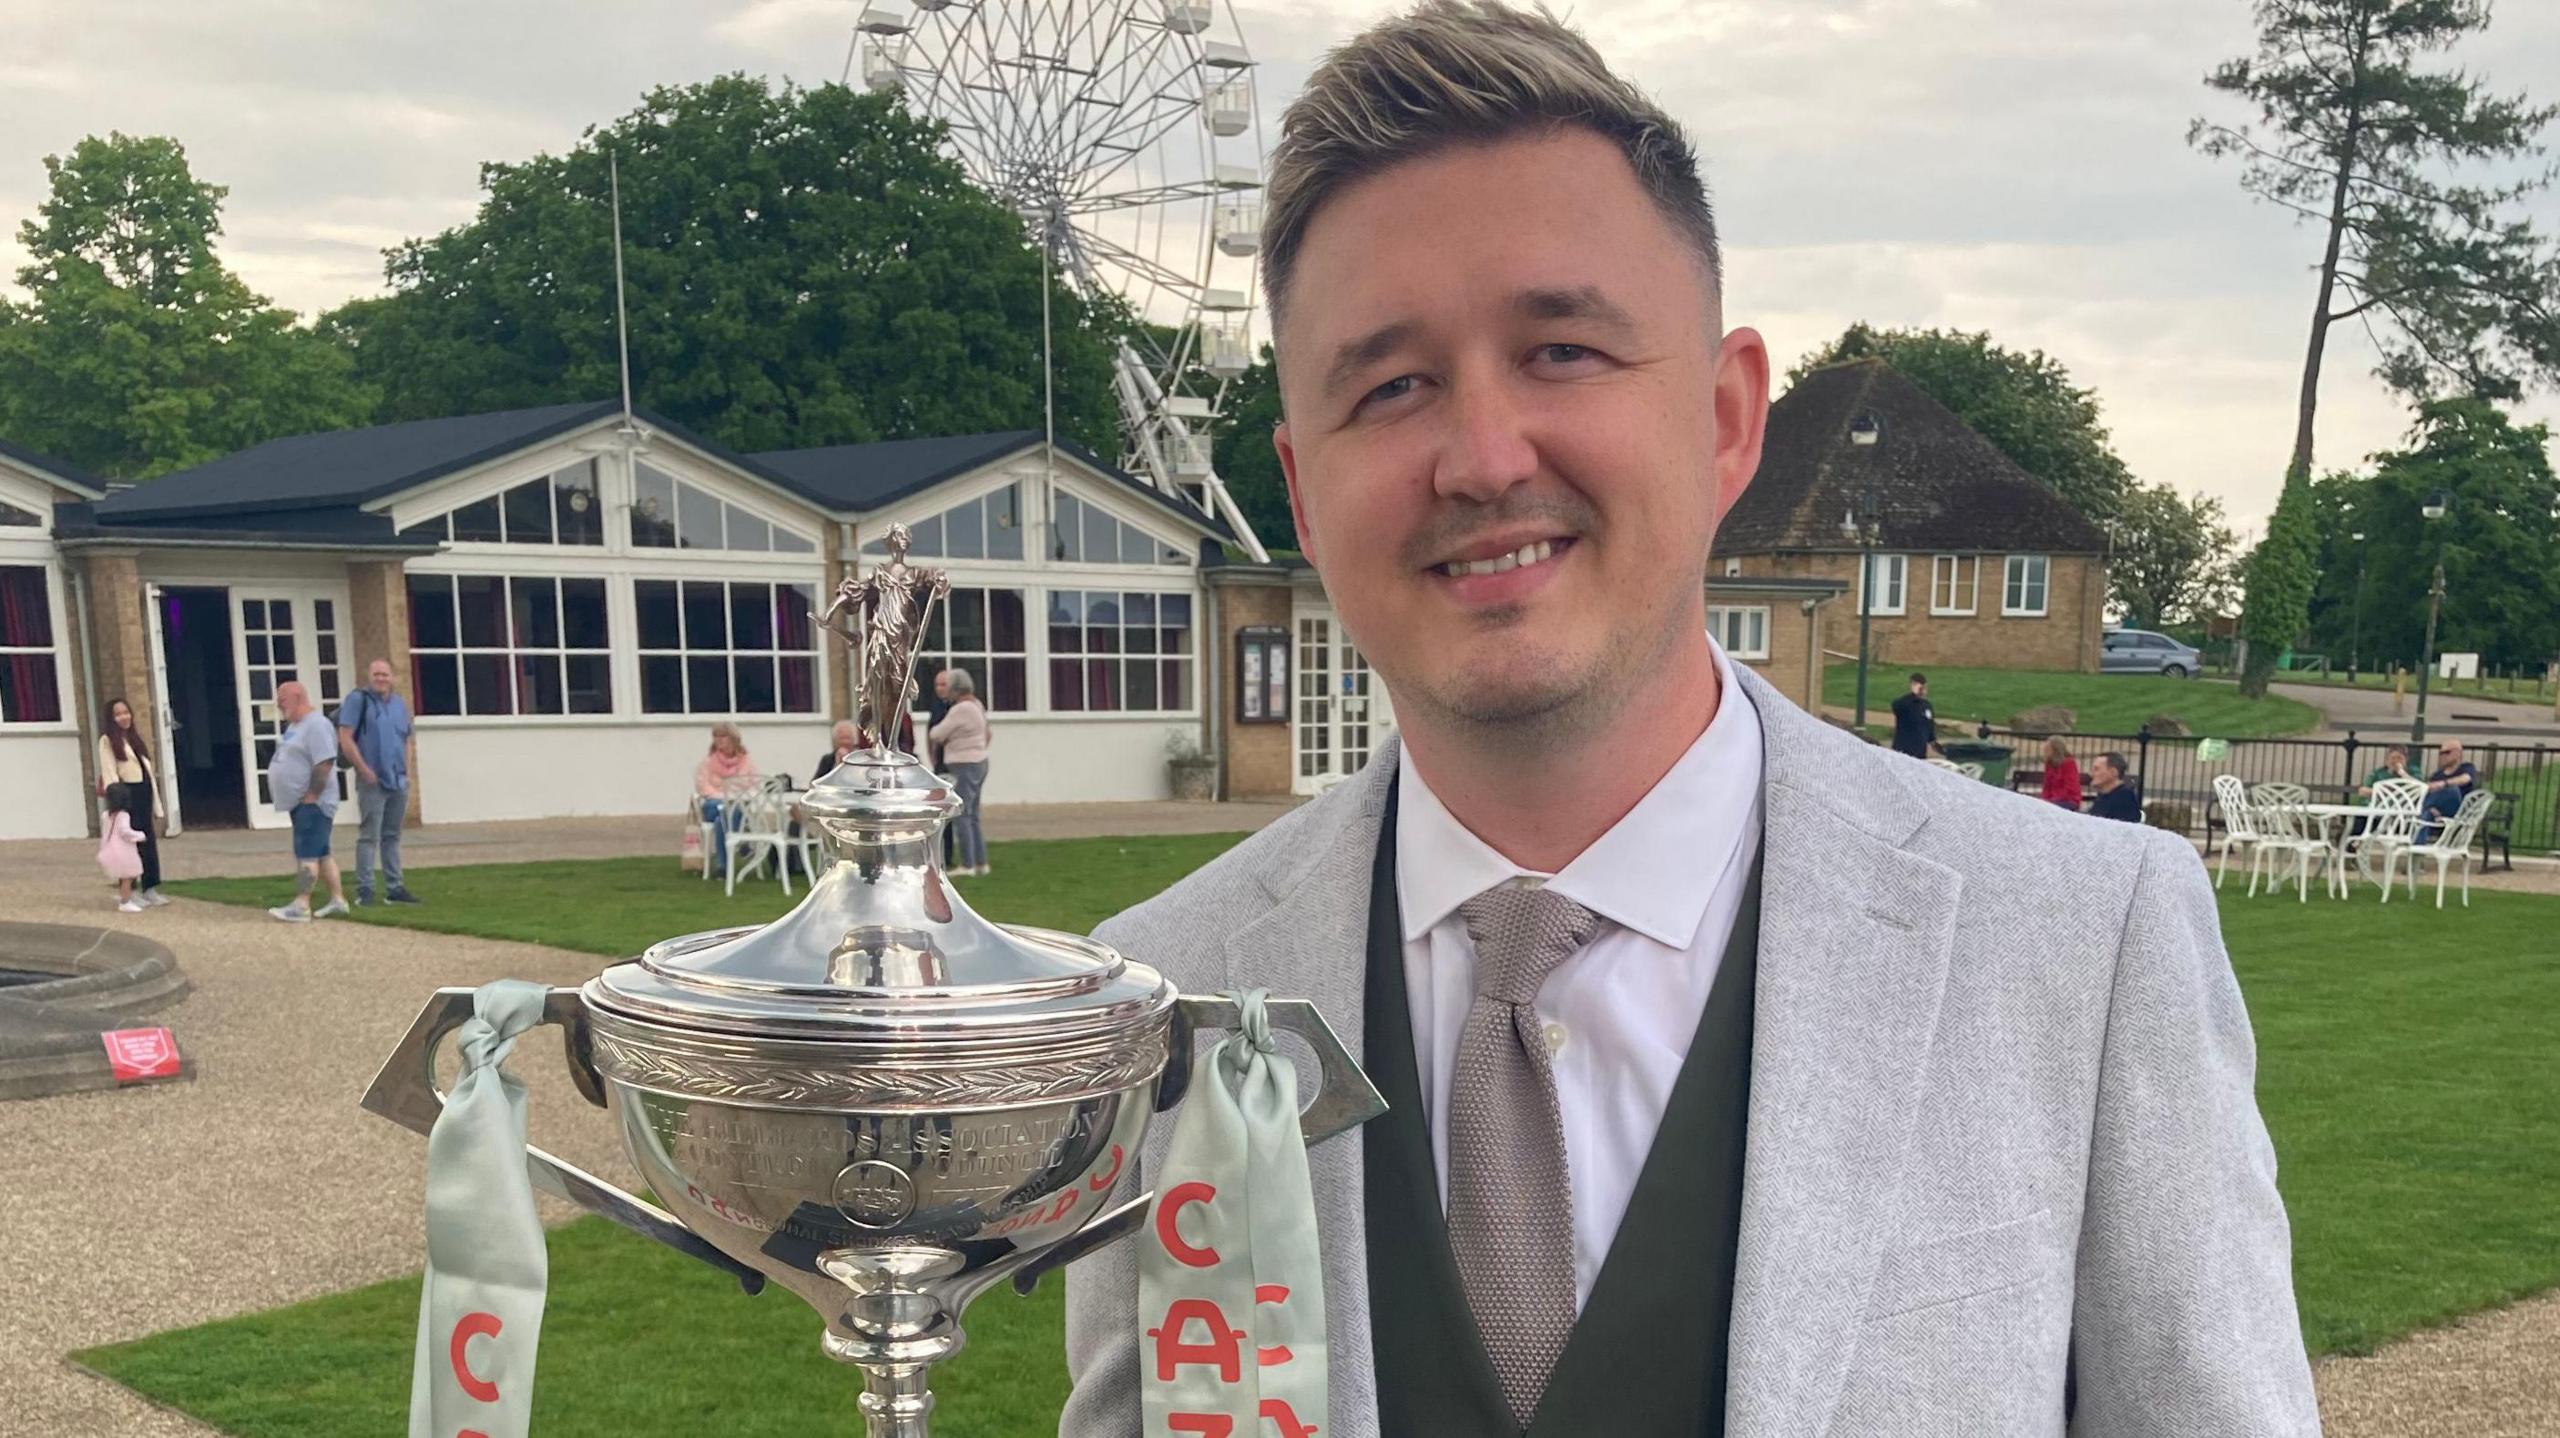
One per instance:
(1619, 1014)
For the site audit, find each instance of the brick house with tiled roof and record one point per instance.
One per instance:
(1977, 563)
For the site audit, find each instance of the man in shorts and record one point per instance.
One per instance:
(302, 780)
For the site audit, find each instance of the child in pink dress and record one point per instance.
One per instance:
(120, 847)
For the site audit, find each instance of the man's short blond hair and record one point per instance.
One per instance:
(1454, 72)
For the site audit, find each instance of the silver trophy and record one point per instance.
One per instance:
(880, 1100)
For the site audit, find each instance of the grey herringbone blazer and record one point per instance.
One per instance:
(2001, 1123)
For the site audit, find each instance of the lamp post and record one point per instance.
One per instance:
(1864, 527)
(2434, 510)
(2355, 625)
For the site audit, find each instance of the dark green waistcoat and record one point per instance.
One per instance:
(1647, 1357)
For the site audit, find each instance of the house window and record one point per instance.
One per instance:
(668, 513)
(982, 631)
(709, 647)
(1743, 630)
(988, 527)
(1955, 583)
(1116, 652)
(11, 516)
(490, 644)
(1262, 675)
(1733, 569)
(556, 508)
(1889, 572)
(1081, 533)
(29, 691)
(2023, 591)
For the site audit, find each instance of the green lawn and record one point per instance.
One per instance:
(2405, 1071)
(2104, 703)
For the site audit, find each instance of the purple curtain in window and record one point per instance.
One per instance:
(27, 692)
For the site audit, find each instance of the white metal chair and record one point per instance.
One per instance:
(2393, 823)
(760, 825)
(2239, 824)
(2452, 843)
(2285, 832)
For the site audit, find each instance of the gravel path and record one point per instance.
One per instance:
(265, 1184)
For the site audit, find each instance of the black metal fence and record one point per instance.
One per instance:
(2176, 775)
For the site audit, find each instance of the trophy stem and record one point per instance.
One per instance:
(895, 1401)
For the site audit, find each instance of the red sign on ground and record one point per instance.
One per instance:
(137, 1054)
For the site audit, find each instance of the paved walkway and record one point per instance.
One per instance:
(2474, 720)
(264, 1184)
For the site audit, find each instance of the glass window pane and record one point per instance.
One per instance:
(1170, 554)
(799, 684)
(661, 684)
(528, 512)
(1004, 615)
(747, 531)
(967, 612)
(1139, 639)
(924, 538)
(1066, 619)
(1142, 686)
(538, 684)
(655, 599)
(1066, 685)
(1004, 523)
(436, 680)
(754, 683)
(536, 607)
(590, 683)
(283, 650)
(653, 514)
(485, 687)
(478, 520)
(708, 682)
(751, 617)
(1101, 537)
(256, 644)
(1066, 529)
(697, 519)
(964, 533)
(577, 514)
(1102, 685)
(582, 617)
(12, 515)
(1176, 689)
(706, 620)
(786, 542)
(253, 614)
(434, 527)
(794, 626)
(1138, 610)
(482, 599)
(1009, 680)
(280, 614)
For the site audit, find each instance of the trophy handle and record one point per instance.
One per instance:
(1344, 1100)
(405, 1092)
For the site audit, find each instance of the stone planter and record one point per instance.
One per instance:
(1194, 779)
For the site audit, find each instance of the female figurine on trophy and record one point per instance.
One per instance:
(892, 604)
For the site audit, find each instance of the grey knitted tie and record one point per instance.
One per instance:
(1510, 1194)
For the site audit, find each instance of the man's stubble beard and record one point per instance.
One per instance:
(1542, 719)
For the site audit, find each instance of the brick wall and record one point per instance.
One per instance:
(1255, 758)
(378, 626)
(121, 632)
(2065, 636)
(1791, 633)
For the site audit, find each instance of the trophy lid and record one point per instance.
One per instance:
(884, 952)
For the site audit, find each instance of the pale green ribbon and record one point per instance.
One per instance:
(1230, 1279)
(480, 1314)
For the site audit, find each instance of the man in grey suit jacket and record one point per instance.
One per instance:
(1842, 1096)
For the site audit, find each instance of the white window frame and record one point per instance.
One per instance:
(725, 496)
(1897, 571)
(1732, 624)
(513, 653)
(548, 476)
(57, 615)
(686, 651)
(1945, 570)
(2014, 583)
(1046, 654)
(933, 654)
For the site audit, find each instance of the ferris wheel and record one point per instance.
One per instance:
(1126, 134)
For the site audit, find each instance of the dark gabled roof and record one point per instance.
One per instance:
(859, 477)
(344, 468)
(340, 527)
(89, 486)
(1941, 486)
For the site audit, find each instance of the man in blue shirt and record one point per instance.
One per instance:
(2117, 796)
(2447, 785)
(373, 734)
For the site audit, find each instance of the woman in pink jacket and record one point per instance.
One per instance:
(963, 737)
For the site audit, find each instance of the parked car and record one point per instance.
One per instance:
(2139, 651)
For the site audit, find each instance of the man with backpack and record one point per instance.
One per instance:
(374, 727)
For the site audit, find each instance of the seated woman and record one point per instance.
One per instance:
(725, 773)
(2061, 776)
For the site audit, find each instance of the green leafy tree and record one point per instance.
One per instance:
(136, 352)
(804, 267)
(2173, 559)
(2499, 541)
(2358, 135)
(2282, 571)
(1246, 462)
(2025, 404)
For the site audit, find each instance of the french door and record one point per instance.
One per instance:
(164, 718)
(281, 634)
(1342, 710)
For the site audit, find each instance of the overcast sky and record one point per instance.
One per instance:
(2011, 165)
